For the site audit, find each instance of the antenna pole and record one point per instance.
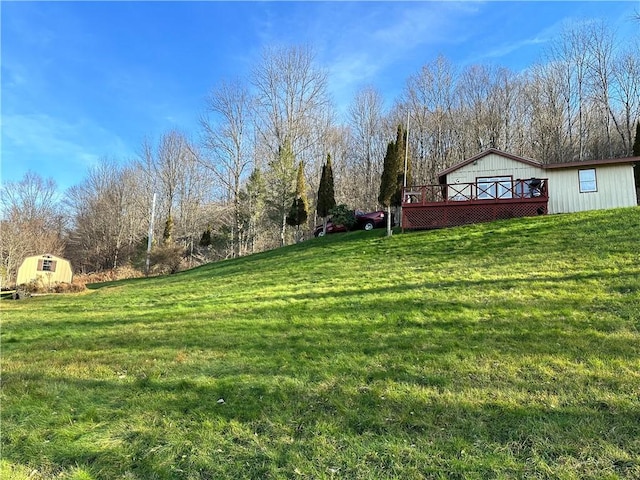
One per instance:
(150, 236)
(406, 154)
(406, 164)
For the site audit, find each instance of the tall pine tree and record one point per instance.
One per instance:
(401, 153)
(299, 211)
(252, 199)
(205, 239)
(167, 234)
(326, 193)
(393, 175)
(388, 179)
(280, 178)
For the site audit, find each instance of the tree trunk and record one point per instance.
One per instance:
(283, 230)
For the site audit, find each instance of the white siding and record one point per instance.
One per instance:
(615, 186)
(494, 165)
(615, 183)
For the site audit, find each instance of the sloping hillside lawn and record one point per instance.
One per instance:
(504, 350)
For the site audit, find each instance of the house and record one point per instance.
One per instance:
(494, 185)
(45, 269)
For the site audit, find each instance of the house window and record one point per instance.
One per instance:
(494, 187)
(587, 180)
(528, 188)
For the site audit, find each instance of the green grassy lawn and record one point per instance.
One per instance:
(503, 350)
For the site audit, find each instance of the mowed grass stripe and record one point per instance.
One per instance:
(503, 350)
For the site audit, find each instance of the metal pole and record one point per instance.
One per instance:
(406, 163)
(406, 153)
(150, 235)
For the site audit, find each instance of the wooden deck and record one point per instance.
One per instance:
(448, 205)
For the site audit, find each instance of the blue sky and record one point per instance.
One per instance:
(82, 81)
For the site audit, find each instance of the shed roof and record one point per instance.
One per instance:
(47, 256)
(528, 161)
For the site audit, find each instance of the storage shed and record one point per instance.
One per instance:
(46, 269)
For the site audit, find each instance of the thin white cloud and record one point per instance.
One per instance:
(53, 144)
(509, 48)
(14, 75)
(427, 23)
(381, 37)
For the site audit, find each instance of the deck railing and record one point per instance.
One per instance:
(437, 206)
(477, 191)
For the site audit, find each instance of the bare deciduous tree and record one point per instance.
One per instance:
(626, 93)
(32, 222)
(108, 217)
(429, 98)
(365, 122)
(543, 94)
(571, 59)
(601, 51)
(173, 171)
(226, 132)
(293, 113)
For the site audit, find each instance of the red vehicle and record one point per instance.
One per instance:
(371, 220)
(366, 221)
(331, 228)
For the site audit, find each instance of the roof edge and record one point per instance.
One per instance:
(490, 151)
(587, 163)
(535, 163)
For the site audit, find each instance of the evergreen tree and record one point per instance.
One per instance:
(252, 200)
(393, 171)
(401, 149)
(167, 234)
(281, 177)
(388, 181)
(299, 211)
(326, 193)
(392, 180)
(205, 239)
(321, 186)
(389, 173)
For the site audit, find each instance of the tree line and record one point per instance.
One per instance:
(249, 178)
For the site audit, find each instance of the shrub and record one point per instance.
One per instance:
(166, 258)
(120, 273)
(343, 215)
(32, 286)
(37, 286)
(74, 287)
